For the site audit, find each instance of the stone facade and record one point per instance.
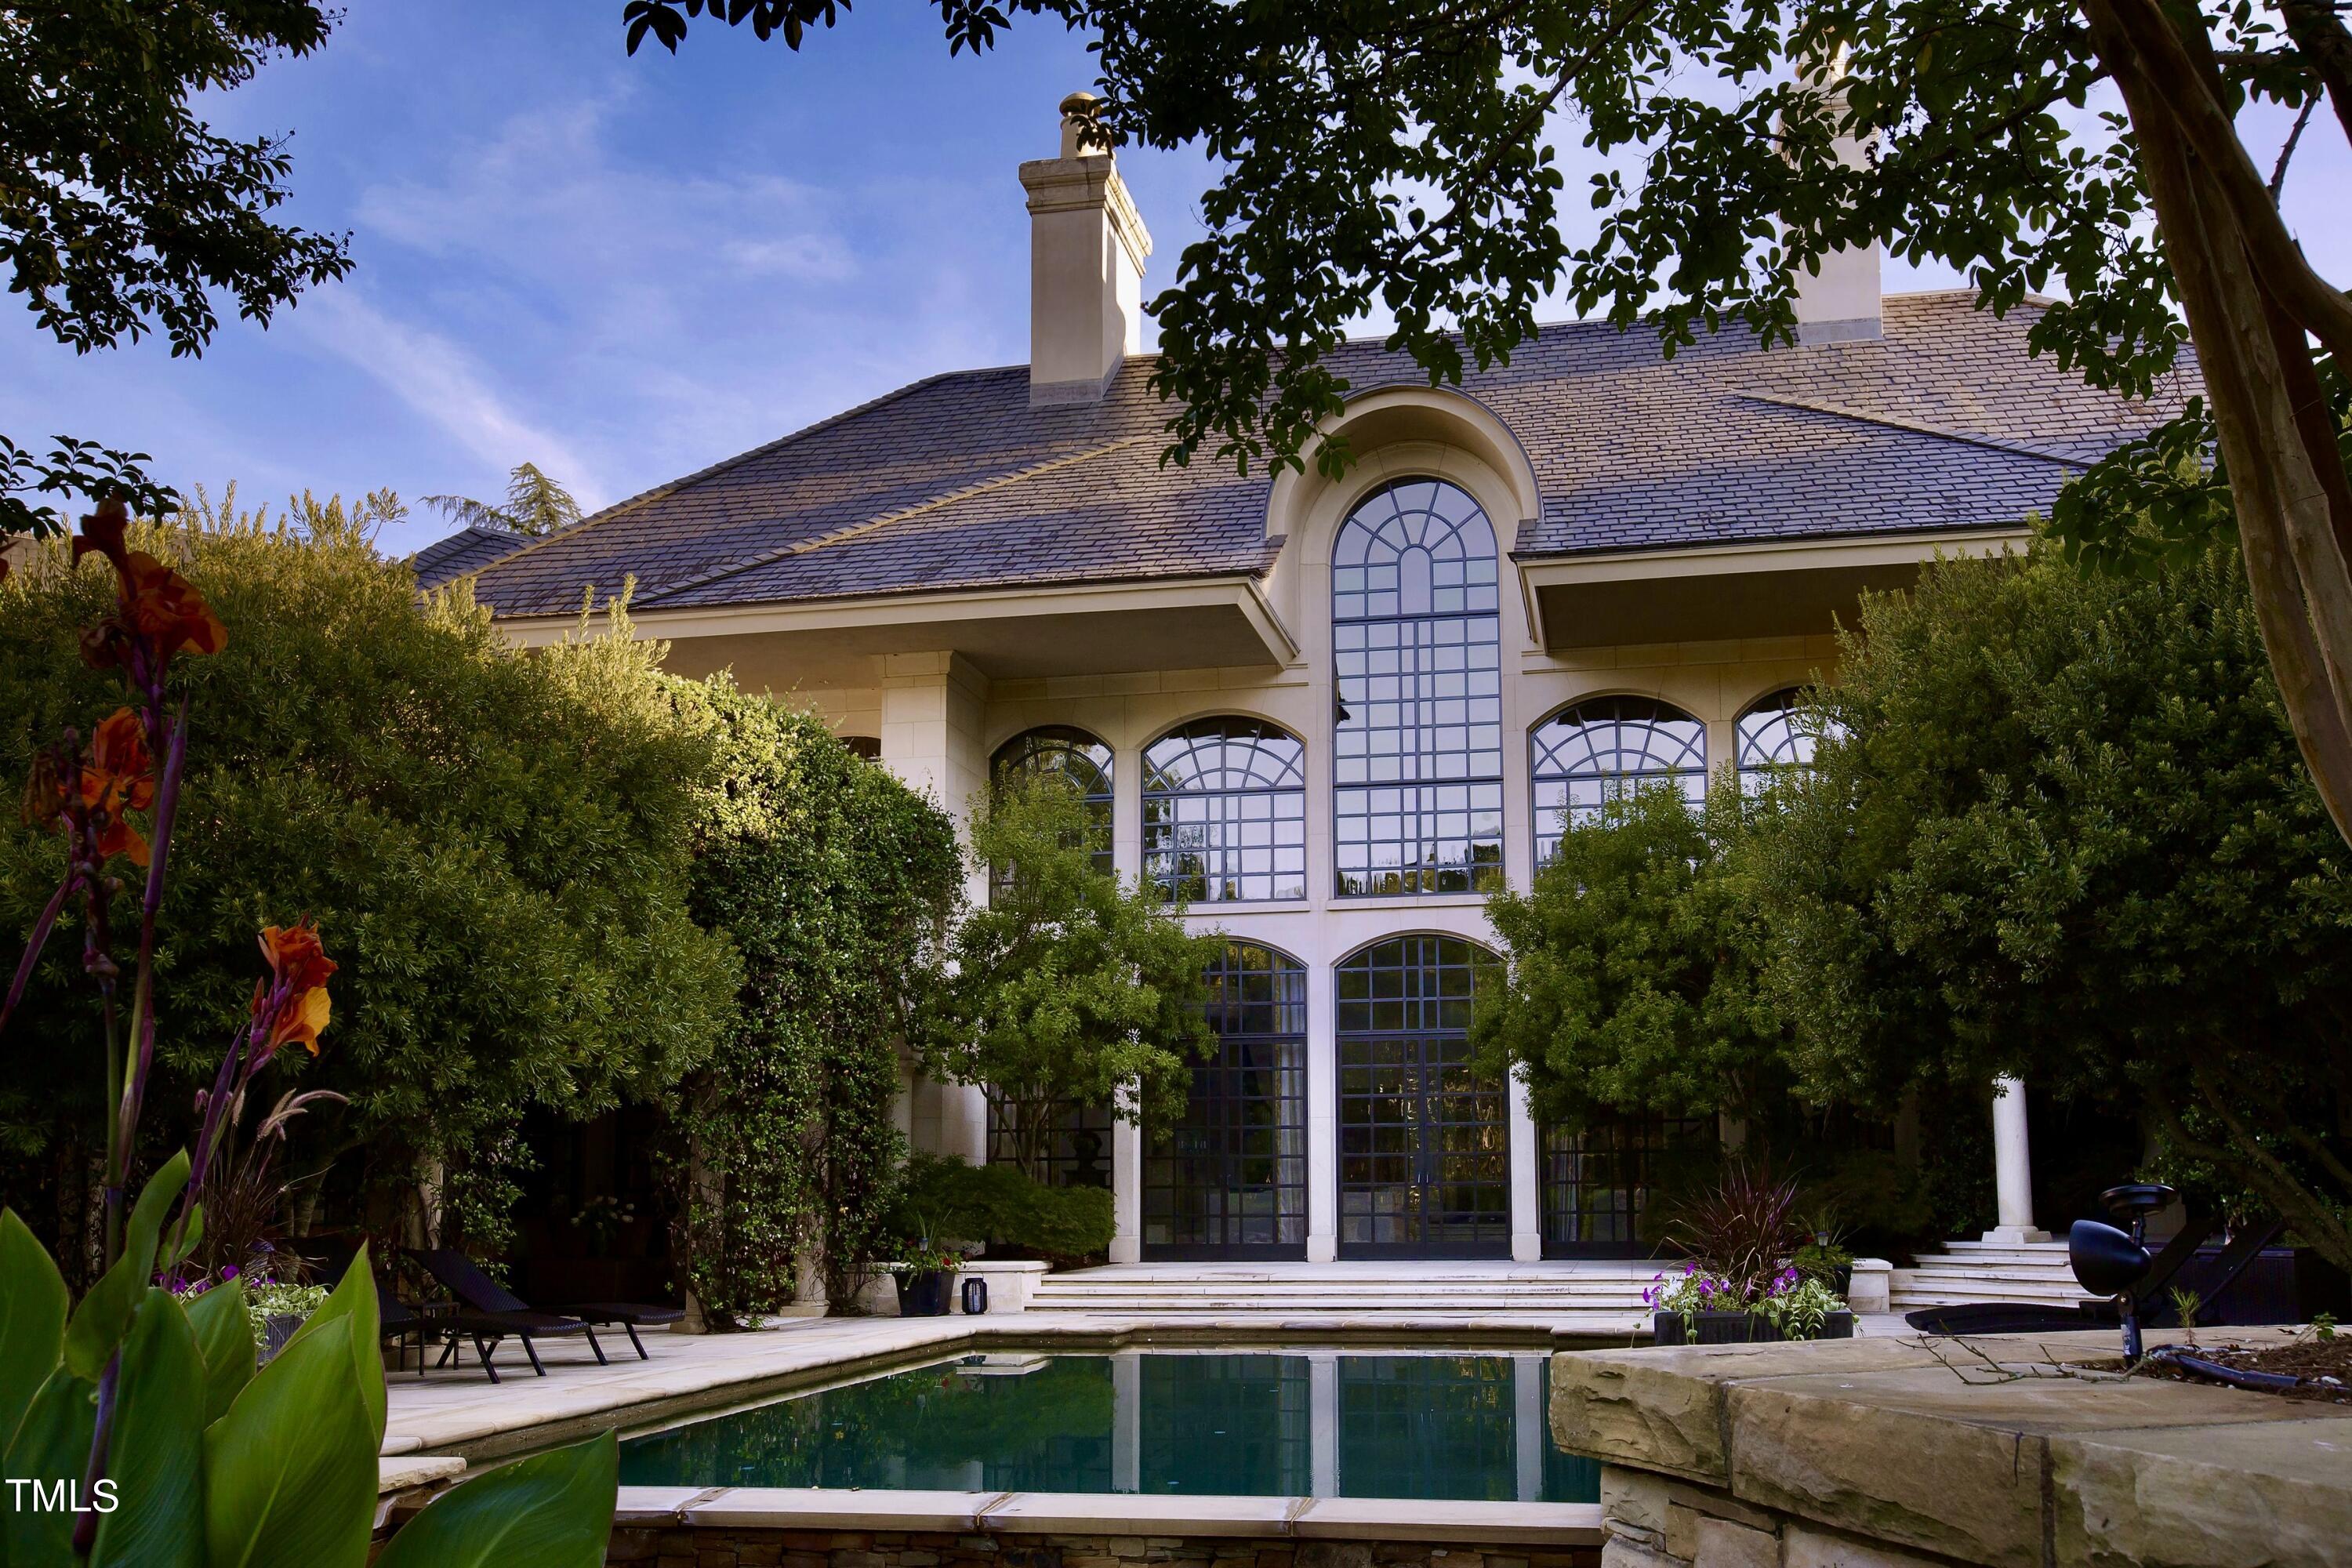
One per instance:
(683, 1546)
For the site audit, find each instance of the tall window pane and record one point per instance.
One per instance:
(1229, 1179)
(1424, 1139)
(1224, 812)
(1416, 642)
(1595, 751)
(1070, 754)
(1777, 736)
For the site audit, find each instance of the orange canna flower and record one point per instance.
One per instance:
(164, 605)
(298, 966)
(117, 778)
(102, 531)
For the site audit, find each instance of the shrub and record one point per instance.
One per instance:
(836, 882)
(494, 845)
(948, 1200)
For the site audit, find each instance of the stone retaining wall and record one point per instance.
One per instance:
(721, 1546)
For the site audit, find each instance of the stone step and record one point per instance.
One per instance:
(1055, 1286)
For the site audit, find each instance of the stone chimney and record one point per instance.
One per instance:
(1087, 250)
(1841, 303)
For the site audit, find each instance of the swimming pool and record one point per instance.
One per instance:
(1405, 1424)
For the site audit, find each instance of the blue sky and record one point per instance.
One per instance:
(626, 269)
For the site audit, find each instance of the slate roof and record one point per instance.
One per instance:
(469, 550)
(955, 482)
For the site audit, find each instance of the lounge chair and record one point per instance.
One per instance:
(492, 1314)
(460, 1276)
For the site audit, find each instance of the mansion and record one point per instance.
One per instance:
(1331, 714)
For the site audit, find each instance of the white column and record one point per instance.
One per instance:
(1527, 1197)
(1126, 1137)
(933, 709)
(1126, 1185)
(2012, 1164)
(1322, 1118)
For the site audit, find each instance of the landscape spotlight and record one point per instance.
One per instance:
(2110, 1262)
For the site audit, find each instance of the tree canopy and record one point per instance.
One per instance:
(494, 846)
(535, 505)
(1635, 958)
(1069, 985)
(2062, 836)
(1392, 156)
(122, 212)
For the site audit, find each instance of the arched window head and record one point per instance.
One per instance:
(1777, 737)
(1224, 812)
(1582, 757)
(1060, 750)
(1416, 645)
(866, 746)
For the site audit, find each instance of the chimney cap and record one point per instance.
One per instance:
(1079, 106)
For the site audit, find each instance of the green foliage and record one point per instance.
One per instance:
(284, 1477)
(494, 847)
(1402, 160)
(125, 211)
(1069, 987)
(551, 1511)
(836, 882)
(2066, 836)
(951, 1201)
(535, 505)
(32, 1320)
(1634, 979)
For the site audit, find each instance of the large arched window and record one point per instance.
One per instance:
(1416, 646)
(1224, 812)
(1229, 1179)
(1424, 1139)
(1061, 751)
(1584, 756)
(1776, 737)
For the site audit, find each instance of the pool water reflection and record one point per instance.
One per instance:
(1314, 1424)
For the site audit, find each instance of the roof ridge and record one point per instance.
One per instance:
(620, 508)
(1918, 427)
(883, 520)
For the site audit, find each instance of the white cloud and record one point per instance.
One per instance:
(441, 383)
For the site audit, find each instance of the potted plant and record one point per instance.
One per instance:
(1744, 1281)
(925, 1276)
(277, 1309)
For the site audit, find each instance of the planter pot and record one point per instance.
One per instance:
(1737, 1329)
(924, 1294)
(276, 1330)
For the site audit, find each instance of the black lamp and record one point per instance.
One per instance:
(2109, 1261)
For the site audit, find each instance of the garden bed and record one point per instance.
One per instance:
(2323, 1368)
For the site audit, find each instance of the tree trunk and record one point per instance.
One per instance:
(2250, 299)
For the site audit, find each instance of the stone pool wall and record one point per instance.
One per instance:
(721, 1546)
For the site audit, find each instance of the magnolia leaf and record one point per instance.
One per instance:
(49, 1452)
(551, 1511)
(99, 1324)
(33, 1301)
(289, 1472)
(353, 1300)
(155, 1455)
(225, 1335)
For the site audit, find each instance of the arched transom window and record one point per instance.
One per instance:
(1224, 812)
(1061, 751)
(1776, 737)
(1416, 644)
(1584, 756)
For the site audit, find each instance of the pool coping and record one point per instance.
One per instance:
(1111, 1513)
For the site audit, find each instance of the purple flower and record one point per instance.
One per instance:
(228, 1273)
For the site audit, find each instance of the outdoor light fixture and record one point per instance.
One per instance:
(2108, 1261)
